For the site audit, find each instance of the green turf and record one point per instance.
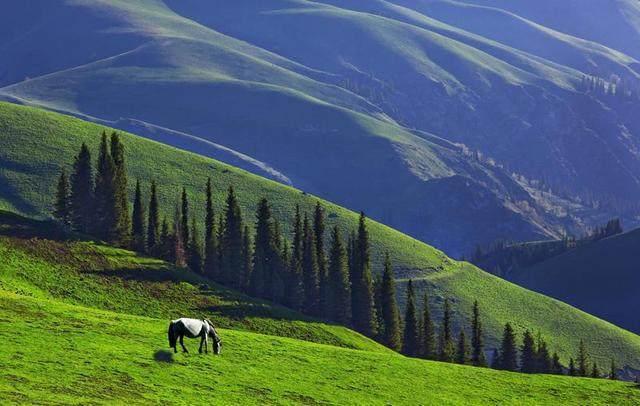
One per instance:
(76, 355)
(33, 143)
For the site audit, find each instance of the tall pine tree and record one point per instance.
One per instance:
(231, 243)
(153, 221)
(339, 306)
(462, 349)
(210, 238)
(122, 219)
(62, 203)
(295, 286)
(508, 350)
(264, 253)
(177, 240)
(137, 223)
(105, 223)
(428, 334)
(82, 192)
(528, 358)
(582, 359)
(411, 345)
(319, 231)
(446, 350)
(389, 307)
(364, 319)
(478, 357)
(310, 270)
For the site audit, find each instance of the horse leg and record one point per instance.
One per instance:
(206, 344)
(201, 341)
(182, 343)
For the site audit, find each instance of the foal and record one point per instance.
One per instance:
(194, 328)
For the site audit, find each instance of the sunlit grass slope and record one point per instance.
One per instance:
(34, 143)
(60, 353)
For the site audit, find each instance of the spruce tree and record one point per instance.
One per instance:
(390, 315)
(613, 374)
(361, 282)
(572, 368)
(310, 270)
(177, 240)
(508, 350)
(194, 250)
(62, 204)
(478, 357)
(582, 360)
(164, 247)
(339, 288)
(295, 287)
(279, 274)
(82, 192)
(556, 366)
(153, 221)
(544, 362)
(105, 223)
(495, 360)
(595, 372)
(184, 218)
(211, 238)
(137, 223)
(462, 349)
(321, 259)
(264, 253)
(528, 354)
(232, 260)
(428, 335)
(122, 226)
(446, 350)
(411, 343)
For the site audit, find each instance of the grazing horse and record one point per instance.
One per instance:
(194, 328)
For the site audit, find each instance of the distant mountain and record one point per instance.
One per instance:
(600, 278)
(425, 114)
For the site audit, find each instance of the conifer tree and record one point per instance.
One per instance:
(411, 343)
(153, 221)
(279, 274)
(339, 288)
(613, 375)
(462, 349)
(232, 260)
(137, 224)
(544, 363)
(62, 204)
(264, 253)
(105, 194)
(572, 368)
(82, 192)
(361, 282)
(528, 354)
(177, 239)
(390, 315)
(310, 270)
(294, 286)
(508, 350)
(556, 367)
(595, 372)
(195, 249)
(247, 257)
(211, 238)
(446, 350)
(478, 357)
(122, 225)
(319, 231)
(495, 359)
(184, 219)
(428, 334)
(582, 360)
(377, 301)
(164, 248)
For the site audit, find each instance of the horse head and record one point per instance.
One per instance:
(217, 342)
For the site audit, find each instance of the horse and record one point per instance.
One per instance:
(194, 328)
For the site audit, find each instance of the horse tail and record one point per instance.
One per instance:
(172, 336)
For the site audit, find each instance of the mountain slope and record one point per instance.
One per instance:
(268, 80)
(118, 358)
(600, 278)
(34, 144)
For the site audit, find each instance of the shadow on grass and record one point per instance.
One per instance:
(163, 356)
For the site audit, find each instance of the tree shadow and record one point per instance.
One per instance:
(163, 356)
(14, 225)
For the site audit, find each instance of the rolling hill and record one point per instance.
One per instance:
(384, 111)
(35, 144)
(599, 278)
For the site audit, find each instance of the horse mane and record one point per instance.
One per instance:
(213, 330)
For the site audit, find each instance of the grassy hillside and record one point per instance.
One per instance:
(72, 354)
(34, 143)
(356, 102)
(600, 278)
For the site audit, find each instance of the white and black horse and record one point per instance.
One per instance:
(194, 328)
